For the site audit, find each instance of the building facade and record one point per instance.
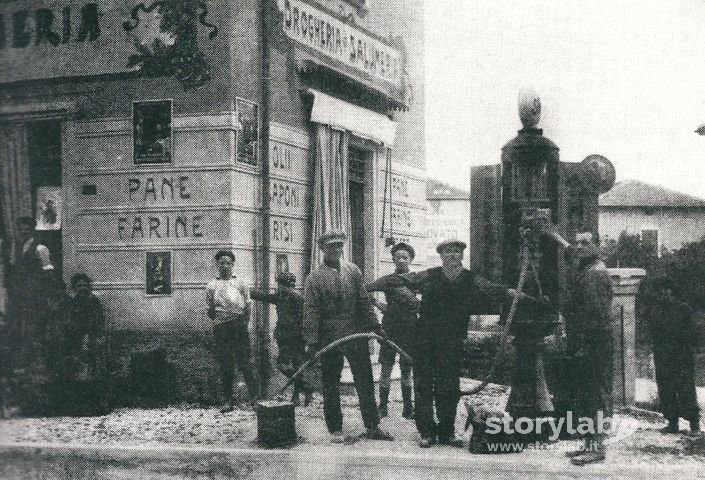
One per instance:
(165, 131)
(448, 216)
(664, 218)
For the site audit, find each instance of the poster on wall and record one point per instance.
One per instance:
(151, 127)
(247, 131)
(49, 208)
(282, 263)
(158, 273)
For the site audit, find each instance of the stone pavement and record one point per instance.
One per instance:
(200, 428)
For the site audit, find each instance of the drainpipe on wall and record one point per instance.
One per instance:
(263, 327)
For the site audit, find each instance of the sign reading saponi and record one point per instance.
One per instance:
(321, 31)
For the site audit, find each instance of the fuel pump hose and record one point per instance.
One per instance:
(337, 343)
(507, 324)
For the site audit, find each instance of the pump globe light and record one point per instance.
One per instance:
(529, 107)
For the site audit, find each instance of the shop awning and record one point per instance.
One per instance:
(346, 116)
(309, 62)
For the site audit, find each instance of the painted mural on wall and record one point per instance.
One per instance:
(167, 42)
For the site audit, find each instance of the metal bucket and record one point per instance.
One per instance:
(276, 424)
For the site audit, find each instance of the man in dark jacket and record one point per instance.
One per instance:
(589, 336)
(336, 304)
(400, 318)
(670, 322)
(34, 296)
(451, 293)
(288, 333)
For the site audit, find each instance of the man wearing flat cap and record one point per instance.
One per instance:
(451, 293)
(336, 305)
(399, 322)
(589, 337)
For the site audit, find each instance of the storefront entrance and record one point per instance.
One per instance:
(357, 160)
(31, 176)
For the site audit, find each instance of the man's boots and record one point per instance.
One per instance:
(408, 411)
(695, 425)
(383, 399)
(672, 426)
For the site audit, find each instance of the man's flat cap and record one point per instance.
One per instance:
(332, 236)
(404, 246)
(448, 243)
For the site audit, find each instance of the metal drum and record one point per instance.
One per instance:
(276, 424)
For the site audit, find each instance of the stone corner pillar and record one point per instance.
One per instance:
(625, 285)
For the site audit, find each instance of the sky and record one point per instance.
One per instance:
(620, 78)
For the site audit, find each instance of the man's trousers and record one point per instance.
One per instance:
(358, 356)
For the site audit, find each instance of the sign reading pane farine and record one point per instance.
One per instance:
(248, 131)
(158, 273)
(49, 207)
(151, 126)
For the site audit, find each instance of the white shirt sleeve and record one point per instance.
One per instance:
(44, 257)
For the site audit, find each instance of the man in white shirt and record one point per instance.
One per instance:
(228, 301)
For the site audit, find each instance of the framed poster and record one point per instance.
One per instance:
(282, 263)
(151, 129)
(158, 273)
(49, 207)
(247, 131)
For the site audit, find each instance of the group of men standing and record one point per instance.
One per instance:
(337, 303)
(432, 329)
(54, 347)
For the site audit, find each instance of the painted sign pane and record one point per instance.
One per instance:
(63, 38)
(353, 47)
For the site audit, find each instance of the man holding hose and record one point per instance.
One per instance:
(336, 305)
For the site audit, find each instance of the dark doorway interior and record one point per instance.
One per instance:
(44, 152)
(357, 158)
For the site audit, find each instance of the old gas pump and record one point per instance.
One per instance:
(530, 194)
(533, 187)
(512, 204)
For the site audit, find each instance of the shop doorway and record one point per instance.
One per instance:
(44, 155)
(34, 169)
(357, 160)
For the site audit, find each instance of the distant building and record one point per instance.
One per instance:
(663, 217)
(447, 216)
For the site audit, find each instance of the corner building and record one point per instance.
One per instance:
(163, 132)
